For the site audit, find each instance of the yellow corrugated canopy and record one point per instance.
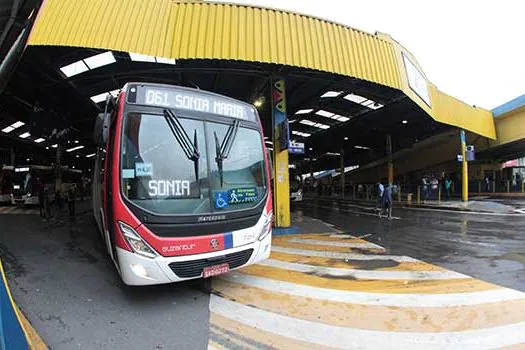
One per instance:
(204, 30)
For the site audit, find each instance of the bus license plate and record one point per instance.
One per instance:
(215, 270)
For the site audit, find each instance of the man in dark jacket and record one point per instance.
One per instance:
(387, 200)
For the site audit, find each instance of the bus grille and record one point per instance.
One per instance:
(193, 268)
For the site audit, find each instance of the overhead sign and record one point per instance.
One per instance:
(416, 80)
(471, 154)
(296, 148)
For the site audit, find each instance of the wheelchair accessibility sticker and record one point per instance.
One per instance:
(221, 200)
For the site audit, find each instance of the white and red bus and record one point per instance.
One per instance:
(181, 185)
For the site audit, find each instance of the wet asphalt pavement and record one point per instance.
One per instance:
(60, 276)
(488, 247)
(68, 289)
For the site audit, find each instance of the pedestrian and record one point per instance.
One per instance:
(425, 188)
(448, 186)
(487, 184)
(71, 197)
(387, 201)
(380, 190)
(40, 191)
(515, 183)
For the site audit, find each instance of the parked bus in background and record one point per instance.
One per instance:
(25, 182)
(180, 184)
(296, 187)
(6, 184)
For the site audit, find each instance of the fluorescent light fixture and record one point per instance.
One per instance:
(322, 126)
(324, 113)
(16, 187)
(292, 121)
(355, 98)
(340, 118)
(74, 148)
(331, 94)
(141, 58)
(76, 141)
(17, 125)
(165, 60)
(307, 122)
(299, 133)
(304, 111)
(47, 147)
(270, 148)
(405, 122)
(114, 93)
(21, 170)
(346, 138)
(311, 149)
(268, 142)
(54, 146)
(74, 68)
(99, 98)
(39, 140)
(332, 154)
(375, 106)
(361, 147)
(24, 135)
(90, 155)
(8, 129)
(102, 59)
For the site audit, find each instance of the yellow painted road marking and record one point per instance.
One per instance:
(393, 286)
(260, 336)
(376, 265)
(383, 318)
(305, 246)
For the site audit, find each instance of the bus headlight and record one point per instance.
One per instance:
(267, 226)
(138, 245)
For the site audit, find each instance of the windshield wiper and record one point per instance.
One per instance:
(191, 149)
(222, 150)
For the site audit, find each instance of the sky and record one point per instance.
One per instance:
(472, 50)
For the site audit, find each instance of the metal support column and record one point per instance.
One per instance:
(390, 164)
(464, 167)
(280, 154)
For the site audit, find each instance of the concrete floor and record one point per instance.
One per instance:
(61, 278)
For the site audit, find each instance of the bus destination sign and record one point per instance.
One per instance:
(194, 101)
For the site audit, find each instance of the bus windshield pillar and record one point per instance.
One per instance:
(281, 190)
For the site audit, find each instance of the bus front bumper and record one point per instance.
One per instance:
(137, 270)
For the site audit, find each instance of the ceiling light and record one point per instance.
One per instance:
(39, 140)
(270, 148)
(8, 129)
(114, 93)
(99, 98)
(54, 146)
(141, 58)
(90, 155)
(355, 98)
(324, 113)
(165, 60)
(76, 141)
(47, 147)
(332, 154)
(311, 149)
(258, 103)
(17, 125)
(346, 138)
(361, 147)
(78, 156)
(74, 68)
(74, 148)
(102, 59)
(307, 122)
(300, 133)
(340, 118)
(331, 94)
(292, 121)
(24, 135)
(405, 122)
(268, 142)
(304, 111)
(375, 106)
(28, 159)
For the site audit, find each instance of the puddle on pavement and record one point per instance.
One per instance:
(519, 257)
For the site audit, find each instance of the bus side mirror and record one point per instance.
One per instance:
(101, 131)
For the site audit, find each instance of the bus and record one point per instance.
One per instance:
(181, 185)
(6, 184)
(25, 183)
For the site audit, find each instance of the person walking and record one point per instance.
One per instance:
(71, 197)
(425, 188)
(448, 186)
(380, 190)
(387, 201)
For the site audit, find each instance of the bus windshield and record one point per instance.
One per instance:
(158, 175)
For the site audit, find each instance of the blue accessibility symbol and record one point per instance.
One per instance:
(221, 200)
